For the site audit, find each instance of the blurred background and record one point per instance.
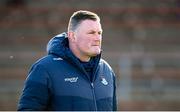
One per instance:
(141, 41)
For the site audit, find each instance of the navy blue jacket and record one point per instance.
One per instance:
(58, 81)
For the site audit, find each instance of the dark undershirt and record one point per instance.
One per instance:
(88, 66)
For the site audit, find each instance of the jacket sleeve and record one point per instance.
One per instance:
(114, 96)
(35, 95)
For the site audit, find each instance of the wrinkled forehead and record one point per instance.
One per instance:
(90, 25)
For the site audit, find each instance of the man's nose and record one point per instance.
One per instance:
(98, 37)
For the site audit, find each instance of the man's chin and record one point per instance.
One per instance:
(95, 54)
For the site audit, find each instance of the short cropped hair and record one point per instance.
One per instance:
(79, 16)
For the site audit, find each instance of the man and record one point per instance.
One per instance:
(72, 76)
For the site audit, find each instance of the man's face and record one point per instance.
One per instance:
(88, 37)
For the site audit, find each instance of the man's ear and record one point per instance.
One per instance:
(71, 36)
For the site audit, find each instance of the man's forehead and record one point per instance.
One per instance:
(90, 24)
(95, 30)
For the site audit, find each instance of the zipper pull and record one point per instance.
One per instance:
(92, 85)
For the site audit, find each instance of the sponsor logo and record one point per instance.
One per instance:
(56, 59)
(71, 79)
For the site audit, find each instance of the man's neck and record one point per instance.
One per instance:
(80, 56)
(83, 58)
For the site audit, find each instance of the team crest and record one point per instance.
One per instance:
(104, 81)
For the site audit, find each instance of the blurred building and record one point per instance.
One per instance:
(141, 41)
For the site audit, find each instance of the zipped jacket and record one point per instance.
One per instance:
(59, 82)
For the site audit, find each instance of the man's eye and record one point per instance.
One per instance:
(99, 33)
(91, 32)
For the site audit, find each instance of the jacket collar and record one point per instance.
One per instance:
(59, 46)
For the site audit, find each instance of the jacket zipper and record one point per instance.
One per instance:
(92, 86)
(94, 98)
(93, 92)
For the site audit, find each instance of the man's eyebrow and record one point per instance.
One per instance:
(95, 31)
(91, 31)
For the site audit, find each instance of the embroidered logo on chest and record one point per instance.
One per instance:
(104, 81)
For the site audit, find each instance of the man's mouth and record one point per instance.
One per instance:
(96, 45)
